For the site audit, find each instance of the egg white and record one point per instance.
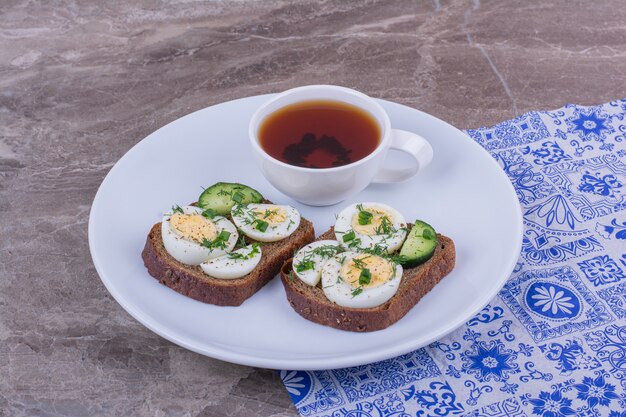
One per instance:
(392, 241)
(340, 292)
(245, 218)
(312, 276)
(229, 267)
(190, 252)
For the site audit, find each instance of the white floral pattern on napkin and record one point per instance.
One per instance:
(553, 343)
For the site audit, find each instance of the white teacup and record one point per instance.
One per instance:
(326, 186)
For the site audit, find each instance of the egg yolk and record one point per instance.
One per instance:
(373, 227)
(193, 227)
(381, 270)
(273, 215)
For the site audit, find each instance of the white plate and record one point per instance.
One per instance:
(464, 194)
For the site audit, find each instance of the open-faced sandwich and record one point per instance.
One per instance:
(367, 271)
(224, 248)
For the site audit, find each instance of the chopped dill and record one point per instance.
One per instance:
(219, 242)
(305, 265)
(385, 227)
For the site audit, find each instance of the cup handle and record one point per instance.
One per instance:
(410, 143)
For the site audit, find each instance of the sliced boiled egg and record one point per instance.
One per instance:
(266, 222)
(192, 238)
(308, 261)
(369, 225)
(235, 264)
(360, 280)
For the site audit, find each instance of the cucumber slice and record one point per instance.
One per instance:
(419, 245)
(221, 197)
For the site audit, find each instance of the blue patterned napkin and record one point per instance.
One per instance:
(553, 342)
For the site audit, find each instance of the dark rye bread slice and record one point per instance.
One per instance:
(312, 304)
(193, 282)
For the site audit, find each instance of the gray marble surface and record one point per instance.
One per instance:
(82, 82)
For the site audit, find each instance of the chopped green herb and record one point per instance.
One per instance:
(397, 259)
(240, 210)
(357, 291)
(385, 227)
(177, 209)
(268, 213)
(261, 225)
(326, 251)
(238, 197)
(354, 243)
(291, 276)
(323, 251)
(305, 266)
(347, 237)
(365, 217)
(291, 223)
(358, 263)
(377, 249)
(237, 255)
(381, 250)
(209, 213)
(255, 248)
(248, 217)
(253, 251)
(218, 242)
(212, 244)
(365, 277)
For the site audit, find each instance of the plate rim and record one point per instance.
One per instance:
(286, 363)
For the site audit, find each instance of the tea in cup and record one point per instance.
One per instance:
(321, 144)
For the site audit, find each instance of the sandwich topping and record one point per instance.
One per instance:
(204, 235)
(359, 280)
(366, 225)
(266, 222)
(234, 264)
(191, 238)
(308, 261)
(363, 267)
